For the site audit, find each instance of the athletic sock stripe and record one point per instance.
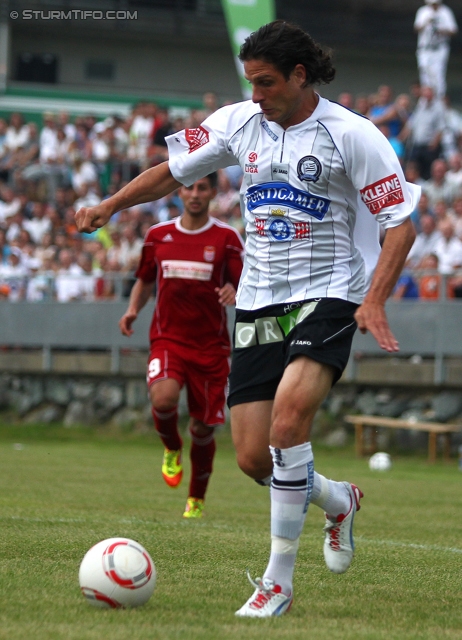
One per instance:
(294, 485)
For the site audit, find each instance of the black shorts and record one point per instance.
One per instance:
(268, 339)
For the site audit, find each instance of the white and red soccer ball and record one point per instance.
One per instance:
(117, 573)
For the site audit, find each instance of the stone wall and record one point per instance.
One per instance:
(123, 402)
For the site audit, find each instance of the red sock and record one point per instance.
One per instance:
(166, 424)
(202, 454)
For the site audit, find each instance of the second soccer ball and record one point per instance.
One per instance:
(380, 461)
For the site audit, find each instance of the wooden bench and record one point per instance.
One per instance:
(434, 429)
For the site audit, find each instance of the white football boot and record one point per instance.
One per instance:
(266, 601)
(339, 544)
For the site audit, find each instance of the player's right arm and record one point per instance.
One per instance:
(139, 296)
(152, 184)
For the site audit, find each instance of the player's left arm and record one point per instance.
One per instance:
(371, 315)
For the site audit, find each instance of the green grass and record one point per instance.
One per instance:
(66, 489)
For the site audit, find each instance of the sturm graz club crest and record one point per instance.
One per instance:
(280, 229)
(309, 169)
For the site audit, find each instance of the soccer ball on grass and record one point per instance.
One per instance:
(380, 462)
(117, 573)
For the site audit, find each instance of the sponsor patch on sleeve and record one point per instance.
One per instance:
(196, 138)
(384, 193)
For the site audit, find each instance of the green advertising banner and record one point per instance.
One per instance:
(242, 18)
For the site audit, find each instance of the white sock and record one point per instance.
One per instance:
(291, 488)
(331, 496)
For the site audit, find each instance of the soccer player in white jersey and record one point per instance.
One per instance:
(319, 180)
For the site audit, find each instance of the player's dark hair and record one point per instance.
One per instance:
(285, 45)
(213, 179)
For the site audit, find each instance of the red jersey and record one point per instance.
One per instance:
(188, 266)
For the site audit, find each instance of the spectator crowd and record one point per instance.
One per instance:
(47, 173)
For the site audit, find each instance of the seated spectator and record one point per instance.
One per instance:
(83, 172)
(423, 131)
(67, 281)
(39, 223)
(422, 208)
(457, 216)
(10, 204)
(89, 277)
(452, 131)
(425, 241)
(13, 274)
(210, 102)
(406, 287)
(346, 100)
(85, 197)
(396, 143)
(131, 246)
(439, 187)
(430, 280)
(39, 284)
(454, 172)
(448, 249)
(17, 134)
(362, 105)
(393, 114)
(64, 122)
(157, 151)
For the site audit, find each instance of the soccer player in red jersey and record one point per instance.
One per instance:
(195, 262)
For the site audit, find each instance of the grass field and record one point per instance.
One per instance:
(63, 490)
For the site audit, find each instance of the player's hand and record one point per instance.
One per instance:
(371, 316)
(226, 294)
(126, 321)
(89, 219)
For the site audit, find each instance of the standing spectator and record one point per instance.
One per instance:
(423, 131)
(435, 24)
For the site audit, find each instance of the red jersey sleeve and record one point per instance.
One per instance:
(234, 258)
(147, 267)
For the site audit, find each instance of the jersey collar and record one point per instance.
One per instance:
(193, 232)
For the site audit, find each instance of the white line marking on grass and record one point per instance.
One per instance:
(410, 545)
(216, 525)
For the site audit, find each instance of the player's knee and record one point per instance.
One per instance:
(164, 402)
(199, 429)
(253, 465)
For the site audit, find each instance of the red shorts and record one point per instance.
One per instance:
(205, 377)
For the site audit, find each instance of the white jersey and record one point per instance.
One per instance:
(311, 197)
(431, 23)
